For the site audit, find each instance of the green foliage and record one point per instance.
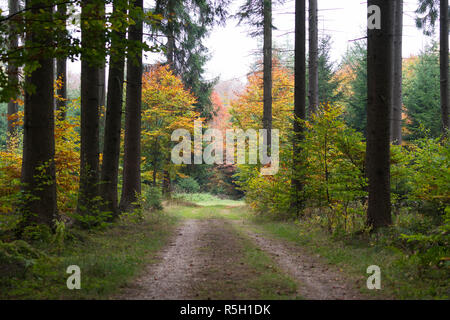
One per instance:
(16, 258)
(187, 185)
(328, 82)
(97, 217)
(433, 248)
(355, 69)
(422, 95)
(152, 198)
(430, 181)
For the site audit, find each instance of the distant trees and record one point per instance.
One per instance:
(353, 73)
(428, 12)
(380, 45)
(328, 81)
(422, 95)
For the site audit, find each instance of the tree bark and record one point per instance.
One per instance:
(299, 103)
(444, 64)
(267, 77)
(166, 184)
(313, 58)
(13, 74)
(132, 149)
(397, 103)
(379, 84)
(89, 153)
(61, 72)
(111, 148)
(38, 179)
(102, 86)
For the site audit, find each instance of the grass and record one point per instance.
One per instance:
(401, 277)
(207, 200)
(108, 259)
(260, 278)
(270, 283)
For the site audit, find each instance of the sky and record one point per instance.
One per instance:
(231, 47)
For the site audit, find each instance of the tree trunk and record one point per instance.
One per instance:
(379, 84)
(267, 51)
(166, 184)
(132, 153)
(111, 148)
(38, 166)
(13, 74)
(397, 104)
(170, 54)
(61, 72)
(299, 103)
(102, 86)
(89, 153)
(444, 64)
(313, 66)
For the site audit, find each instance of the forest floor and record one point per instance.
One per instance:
(218, 253)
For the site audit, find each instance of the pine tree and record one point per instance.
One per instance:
(132, 145)
(380, 45)
(299, 103)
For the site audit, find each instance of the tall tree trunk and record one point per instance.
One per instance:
(89, 153)
(444, 64)
(170, 53)
(61, 70)
(13, 73)
(166, 184)
(380, 56)
(111, 148)
(102, 86)
(267, 51)
(313, 65)
(38, 166)
(397, 103)
(132, 149)
(299, 103)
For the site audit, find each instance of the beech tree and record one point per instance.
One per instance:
(379, 92)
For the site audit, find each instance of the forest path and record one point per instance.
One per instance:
(216, 254)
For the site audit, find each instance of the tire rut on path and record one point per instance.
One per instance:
(171, 278)
(316, 280)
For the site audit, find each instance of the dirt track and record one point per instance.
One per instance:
(204, 260)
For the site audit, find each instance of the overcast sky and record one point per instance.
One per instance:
(231, 47)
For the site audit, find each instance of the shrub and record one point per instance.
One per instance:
(187, 185)
(152, 198)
